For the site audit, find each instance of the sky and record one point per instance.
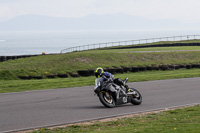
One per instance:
(185, 11)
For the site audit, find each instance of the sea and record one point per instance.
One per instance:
(52, 42)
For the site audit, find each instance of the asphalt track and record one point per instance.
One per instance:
(26, 110)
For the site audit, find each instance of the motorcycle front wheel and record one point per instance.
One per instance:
(107, 99)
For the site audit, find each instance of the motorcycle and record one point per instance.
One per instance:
(111, 94)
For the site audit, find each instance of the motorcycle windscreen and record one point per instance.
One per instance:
(98, 83)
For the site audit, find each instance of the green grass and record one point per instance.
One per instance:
(185, 120)
(28, 85)
(72, 62)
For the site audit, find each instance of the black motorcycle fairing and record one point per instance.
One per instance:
(109, 87)
(101, 85)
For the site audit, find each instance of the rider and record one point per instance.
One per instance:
(106, 75)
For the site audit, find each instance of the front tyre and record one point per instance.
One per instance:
(107, 99)
(136, 97)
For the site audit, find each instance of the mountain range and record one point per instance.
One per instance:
(91, 22)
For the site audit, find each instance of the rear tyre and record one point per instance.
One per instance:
(136, 97)
(107, 99)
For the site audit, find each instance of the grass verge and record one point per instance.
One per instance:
(7, 86)
(72, 62)
(186, 120)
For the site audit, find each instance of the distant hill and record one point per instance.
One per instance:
(91, 22)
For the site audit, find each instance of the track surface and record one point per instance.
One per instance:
(60, 106)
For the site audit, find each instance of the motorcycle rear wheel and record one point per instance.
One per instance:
(137, 97)
(108, 102)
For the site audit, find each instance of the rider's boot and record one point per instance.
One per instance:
(128, 90)
(125, 85)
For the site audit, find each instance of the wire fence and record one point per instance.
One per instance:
(129, 42)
